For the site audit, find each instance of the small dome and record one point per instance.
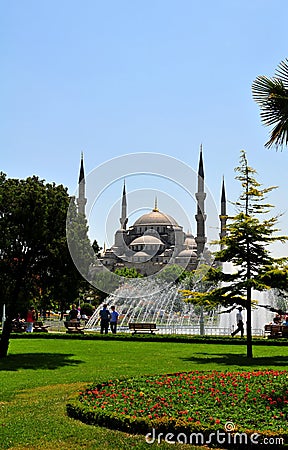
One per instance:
(156, 217)
(187, 253)
(147, 239)
(190, 241)
(141, 255)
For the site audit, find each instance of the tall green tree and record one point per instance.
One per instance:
(246, 247)
(34, 257)
(271, 94)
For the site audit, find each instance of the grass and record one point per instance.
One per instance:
(39, 376)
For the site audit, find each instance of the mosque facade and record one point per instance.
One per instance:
(156, 239)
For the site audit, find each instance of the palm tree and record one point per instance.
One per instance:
(271, 94)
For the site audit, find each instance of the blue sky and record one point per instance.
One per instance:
(114, 78)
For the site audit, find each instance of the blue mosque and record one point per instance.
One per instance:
(156, 239)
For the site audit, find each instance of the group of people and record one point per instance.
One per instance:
(107, 318)
(280, 320)
(20, 324)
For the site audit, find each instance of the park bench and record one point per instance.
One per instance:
(142, 327)
(39, 326)
(74, 327)
(18, 327)
(276, 331)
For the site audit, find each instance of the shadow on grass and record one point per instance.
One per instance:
(230, 359)
(48, 361)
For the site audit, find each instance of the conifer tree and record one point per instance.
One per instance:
(246, 247)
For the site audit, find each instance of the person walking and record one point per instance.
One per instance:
(31, 317)
(114, 319)
(239, 321)
(104, 319)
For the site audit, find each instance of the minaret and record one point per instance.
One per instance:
(223, 215)
(81, 200)
(123, 218)
(200, 216)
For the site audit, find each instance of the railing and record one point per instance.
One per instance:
(193, 330)
(208, 330)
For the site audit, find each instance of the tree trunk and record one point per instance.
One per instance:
(248, 276)
(249, 323)
(10, 313)
(5, 336)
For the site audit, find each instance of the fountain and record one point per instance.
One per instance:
(152, 300)
(146, 300)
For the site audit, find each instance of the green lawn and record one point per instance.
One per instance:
(39, 375)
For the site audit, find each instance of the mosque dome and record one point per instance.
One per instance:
(147, 239)
(156, 218)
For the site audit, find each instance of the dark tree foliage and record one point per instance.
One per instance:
(97, 249)
(35, 263)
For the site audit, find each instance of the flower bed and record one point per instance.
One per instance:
(249, 402)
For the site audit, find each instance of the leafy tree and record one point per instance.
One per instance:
(172, 274)
(245, 246)
(87, 309)
(35, 262)
(271, 94)
(104, 283)
(127, 272)
(197, 280)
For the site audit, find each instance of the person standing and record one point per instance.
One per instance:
(104, 319)
(239, 321)
(114, 319)
(73, 314)
(31, 317)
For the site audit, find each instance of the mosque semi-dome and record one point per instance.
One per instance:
(156, 218)
(187, 253)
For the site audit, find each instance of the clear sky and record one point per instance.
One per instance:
(111, 78)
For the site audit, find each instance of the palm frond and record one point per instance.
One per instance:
(271, 94)
(282, 72)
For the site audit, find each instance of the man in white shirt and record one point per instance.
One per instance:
(239, 321)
